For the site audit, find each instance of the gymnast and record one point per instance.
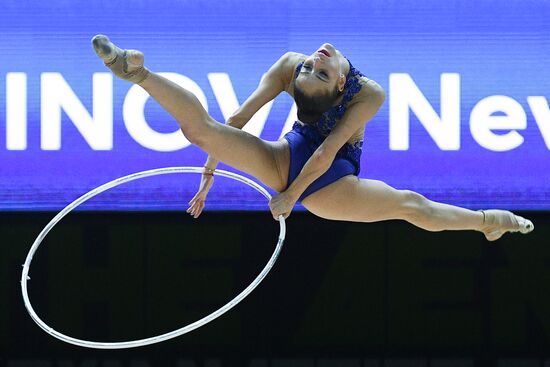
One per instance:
(317, 162)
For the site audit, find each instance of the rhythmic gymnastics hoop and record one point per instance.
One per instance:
(169, 335)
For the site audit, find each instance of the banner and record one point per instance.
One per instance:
(466, 118)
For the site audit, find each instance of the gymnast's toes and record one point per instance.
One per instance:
(525, 225)
(126, 64)
(498, 222)
(104, 48)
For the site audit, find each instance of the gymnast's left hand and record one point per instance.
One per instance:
(282, 204)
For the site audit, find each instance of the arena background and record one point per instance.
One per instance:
(466, 121)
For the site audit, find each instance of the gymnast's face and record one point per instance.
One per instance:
(322, 71)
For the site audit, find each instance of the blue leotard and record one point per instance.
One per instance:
(304, 139)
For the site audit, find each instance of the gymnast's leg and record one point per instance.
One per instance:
(362, 200)
(267, 161)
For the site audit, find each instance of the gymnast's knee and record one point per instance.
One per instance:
(197, 132)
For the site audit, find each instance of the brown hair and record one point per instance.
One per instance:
(312, 107)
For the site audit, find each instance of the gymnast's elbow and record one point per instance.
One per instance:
(322, 158)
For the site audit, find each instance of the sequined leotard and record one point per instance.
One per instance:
(304, 139)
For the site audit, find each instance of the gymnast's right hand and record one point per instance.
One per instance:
(196, 205)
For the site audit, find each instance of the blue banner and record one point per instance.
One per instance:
(466, 118)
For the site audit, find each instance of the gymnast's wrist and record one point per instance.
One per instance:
(207, 171)
(293, 194)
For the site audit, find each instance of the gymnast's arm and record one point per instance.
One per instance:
(361, 110)
(277, 78)
(274, 81)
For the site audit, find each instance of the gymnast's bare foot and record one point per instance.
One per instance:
(126, 64)
(498, 222)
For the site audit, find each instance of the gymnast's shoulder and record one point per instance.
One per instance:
(370, 90)
(285, 67)
(288, 62)
(291, 59)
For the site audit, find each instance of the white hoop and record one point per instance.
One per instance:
(172, 334)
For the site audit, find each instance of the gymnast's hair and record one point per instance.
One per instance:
(312, 107)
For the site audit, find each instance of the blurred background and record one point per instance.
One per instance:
(466, 121)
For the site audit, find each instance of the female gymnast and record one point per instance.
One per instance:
(317, 162)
